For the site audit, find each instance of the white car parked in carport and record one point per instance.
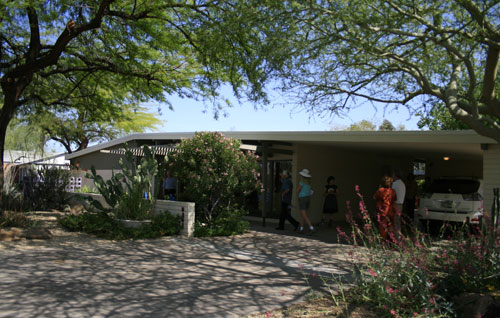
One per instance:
(452, 200)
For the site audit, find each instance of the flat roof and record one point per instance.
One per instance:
(350, 139)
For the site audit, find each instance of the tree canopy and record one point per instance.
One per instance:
(399, 52)
(21, 136)
(439, 118)
(147, 48)
(367, 125)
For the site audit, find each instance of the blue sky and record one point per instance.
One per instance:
(191, 115)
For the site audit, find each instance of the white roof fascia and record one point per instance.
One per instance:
(418, 136)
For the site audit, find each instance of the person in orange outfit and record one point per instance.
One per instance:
(385, 198)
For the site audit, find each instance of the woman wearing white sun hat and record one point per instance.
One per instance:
(304, 193)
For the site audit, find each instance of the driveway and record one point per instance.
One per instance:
(75, 275)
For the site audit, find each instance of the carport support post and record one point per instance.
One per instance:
(264, 183)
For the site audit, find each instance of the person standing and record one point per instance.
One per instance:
(331, 205)
(384, 202)
(304, 193)
(170, 186)
(410, 196)
(399, 186)
(286, 201)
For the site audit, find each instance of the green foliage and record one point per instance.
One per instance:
(367, 125)
(215, 173)
(90, 120)
(398, 52)
(414, 275)
(105, 226)
(363, 125)
(228, 223)
(129, 193)
(47, 188)
(439, 118)
(386, 126)
(21, 136)
(86, 189)
(79, 58)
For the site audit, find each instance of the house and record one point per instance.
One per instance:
(354, 158)
(20, 161)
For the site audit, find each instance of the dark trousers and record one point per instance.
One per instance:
(286, 214)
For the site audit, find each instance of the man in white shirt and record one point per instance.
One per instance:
(400, 188)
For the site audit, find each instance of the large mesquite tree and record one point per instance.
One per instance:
(399, 52)
(147, 48)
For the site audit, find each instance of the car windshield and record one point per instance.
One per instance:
(460, 186)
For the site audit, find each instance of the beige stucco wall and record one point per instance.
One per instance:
(105, 164)
(350, 168)
(365, 168)
(491, 174)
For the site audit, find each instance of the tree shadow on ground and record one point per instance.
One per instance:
(81, 276)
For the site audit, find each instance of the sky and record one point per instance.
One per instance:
(191, 115)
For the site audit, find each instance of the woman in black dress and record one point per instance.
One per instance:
(331, 206)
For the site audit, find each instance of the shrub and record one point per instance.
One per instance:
(228, 223)
(415, 276)
(217, 176)
(105, 226)
(129, 193)
(11, 195)
(13, 219)
(46, 188)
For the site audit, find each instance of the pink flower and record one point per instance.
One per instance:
(268, 314)
(314, 275)
(393, 312)
(372, 272)
(300, 266)
(389, 290)
(356, 188)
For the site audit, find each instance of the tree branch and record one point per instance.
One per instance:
(70, 32)
(480, 18)
(34, 46)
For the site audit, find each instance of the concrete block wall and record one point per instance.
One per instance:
(185, 209)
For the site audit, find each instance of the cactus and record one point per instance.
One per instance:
(129, 193)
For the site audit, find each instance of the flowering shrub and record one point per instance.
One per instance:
(414, 276)
(215, 174)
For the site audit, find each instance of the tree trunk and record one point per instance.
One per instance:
(12, 89)
(6, 114)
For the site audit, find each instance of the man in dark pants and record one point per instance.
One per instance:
(286, 201)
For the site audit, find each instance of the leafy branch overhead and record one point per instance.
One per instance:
(412, 53)
(146, 48)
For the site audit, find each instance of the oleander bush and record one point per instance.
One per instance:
(217, 175)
